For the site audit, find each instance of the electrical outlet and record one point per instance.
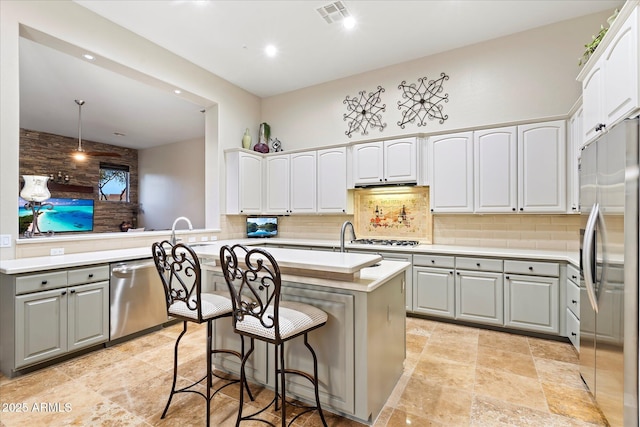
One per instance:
(5, 241)
(192, 239)
(204, 238)
(57, 251)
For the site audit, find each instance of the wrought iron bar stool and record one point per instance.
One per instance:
(254, 282)
(179, 268)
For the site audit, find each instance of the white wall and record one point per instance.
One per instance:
(526, 76)
(171, 184)
(230, 112)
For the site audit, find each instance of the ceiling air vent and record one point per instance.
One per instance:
(333, 12)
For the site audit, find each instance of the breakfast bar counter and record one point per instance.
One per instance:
(361, 349)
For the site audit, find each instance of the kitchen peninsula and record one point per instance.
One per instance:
(361, 349)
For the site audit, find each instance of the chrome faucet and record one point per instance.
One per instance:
(343, 232)
(173, 227)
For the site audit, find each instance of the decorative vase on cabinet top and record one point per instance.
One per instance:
(246, 140)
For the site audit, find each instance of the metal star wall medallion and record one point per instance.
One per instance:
(364, 112)
(423, 101)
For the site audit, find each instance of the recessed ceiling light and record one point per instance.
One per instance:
(177, 91)
(271, 50)
(88, 57)
(349, 22)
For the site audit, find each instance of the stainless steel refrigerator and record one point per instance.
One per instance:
(609, 272)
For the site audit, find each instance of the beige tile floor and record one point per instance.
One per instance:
(454, 376)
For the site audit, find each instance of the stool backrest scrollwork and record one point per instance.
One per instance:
(179, 269)
(254, 281)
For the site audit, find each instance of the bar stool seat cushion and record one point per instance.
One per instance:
(213, 304)
(295, 318)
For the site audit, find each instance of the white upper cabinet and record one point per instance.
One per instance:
(277, 181)
(368, 163)
(401, 160)
(451, 169)
(332, 180)
(574, 145)
(495, 170)
(542, 167)
(610, 81)
(383, 162)
(244, 183)
(303, 182)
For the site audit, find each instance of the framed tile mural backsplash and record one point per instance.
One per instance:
(394, 213)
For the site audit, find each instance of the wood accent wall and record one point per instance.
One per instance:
(45, 154)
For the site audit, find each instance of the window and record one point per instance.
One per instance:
(114, 182)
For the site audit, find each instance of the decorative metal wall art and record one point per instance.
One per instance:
(424, 101)
(364, 112)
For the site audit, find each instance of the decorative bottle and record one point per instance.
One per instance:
(246, 140)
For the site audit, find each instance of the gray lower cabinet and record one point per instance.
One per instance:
(479, 290)
(434, 285)
(479, 296)
(531, 302)
(572, 310)
(41, 326)
(51, 314)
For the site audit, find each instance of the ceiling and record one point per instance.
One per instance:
(228, 38)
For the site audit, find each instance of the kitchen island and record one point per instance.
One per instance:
(361, 349)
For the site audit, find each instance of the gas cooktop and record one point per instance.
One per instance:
(386, 242)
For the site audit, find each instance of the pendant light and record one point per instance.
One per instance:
(79, 154)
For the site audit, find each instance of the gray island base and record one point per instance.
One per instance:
(361, 349)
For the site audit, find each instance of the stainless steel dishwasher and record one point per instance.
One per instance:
(137, 300)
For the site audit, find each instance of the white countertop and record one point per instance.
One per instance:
(370, 277)
(322, 261)
(30, 265)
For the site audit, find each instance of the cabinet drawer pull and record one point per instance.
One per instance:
(90, 275)
(73, 291)
(433, 261)
(44, 282)
(506, 277)
(478, 264)
(530, 268)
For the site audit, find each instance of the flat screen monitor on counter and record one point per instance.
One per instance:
(65, 216)
(262, 227)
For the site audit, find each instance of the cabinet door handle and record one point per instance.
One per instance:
(63, 293)
(451, 272)
(73, 291)
(506, 277)
(521, 209)
(458, 273)
(574, 301)
(513, 209)
(573, 334)
(573, 276)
